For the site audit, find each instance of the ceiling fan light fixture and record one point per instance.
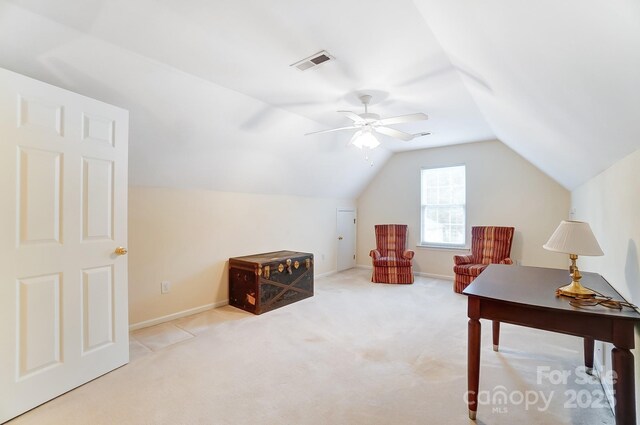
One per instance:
(364, 139)
(369, 123)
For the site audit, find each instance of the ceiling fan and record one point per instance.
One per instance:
(368, 123)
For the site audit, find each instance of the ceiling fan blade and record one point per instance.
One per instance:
(404, 118)
(333, 129)
(353, 116)
(394, 133)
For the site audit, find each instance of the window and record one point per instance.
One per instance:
(443, 206)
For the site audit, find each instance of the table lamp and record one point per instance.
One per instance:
(574, 238)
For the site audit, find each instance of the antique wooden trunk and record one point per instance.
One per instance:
(263, 282)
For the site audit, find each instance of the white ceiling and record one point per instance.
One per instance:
(214, 103)
(561, 78)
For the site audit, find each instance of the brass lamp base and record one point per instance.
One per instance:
(574, 289)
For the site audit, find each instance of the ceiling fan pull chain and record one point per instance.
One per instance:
(366, 158)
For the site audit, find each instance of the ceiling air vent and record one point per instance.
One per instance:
(313, 60)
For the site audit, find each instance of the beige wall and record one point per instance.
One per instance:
(502, 189)
(187, 236)
(610, 203)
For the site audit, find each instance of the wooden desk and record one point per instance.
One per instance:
(526, 296)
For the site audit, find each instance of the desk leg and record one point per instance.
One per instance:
(496, 335)
(588, 355)
(473, 372)
(623, 386)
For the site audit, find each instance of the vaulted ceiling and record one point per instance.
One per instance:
(214, 103)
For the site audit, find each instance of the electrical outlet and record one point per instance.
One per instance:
(165, 286)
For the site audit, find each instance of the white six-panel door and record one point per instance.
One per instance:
(346, 229)
(63, 213)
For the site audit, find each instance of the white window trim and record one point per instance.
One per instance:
(444, 247)
(440, 246)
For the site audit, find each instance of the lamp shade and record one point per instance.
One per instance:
(573, 237)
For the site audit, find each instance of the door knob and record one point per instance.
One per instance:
(121, 250)
(340, 238)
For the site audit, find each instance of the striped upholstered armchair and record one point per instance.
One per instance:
(489, 245)
(391, 261)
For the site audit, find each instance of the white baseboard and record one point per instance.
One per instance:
(598, 368)
(431, 275)
(173, 316)
(434, 276)
(325, 274)
(189, 312)
(195, 310)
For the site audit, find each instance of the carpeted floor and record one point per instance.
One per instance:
(355, 353)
